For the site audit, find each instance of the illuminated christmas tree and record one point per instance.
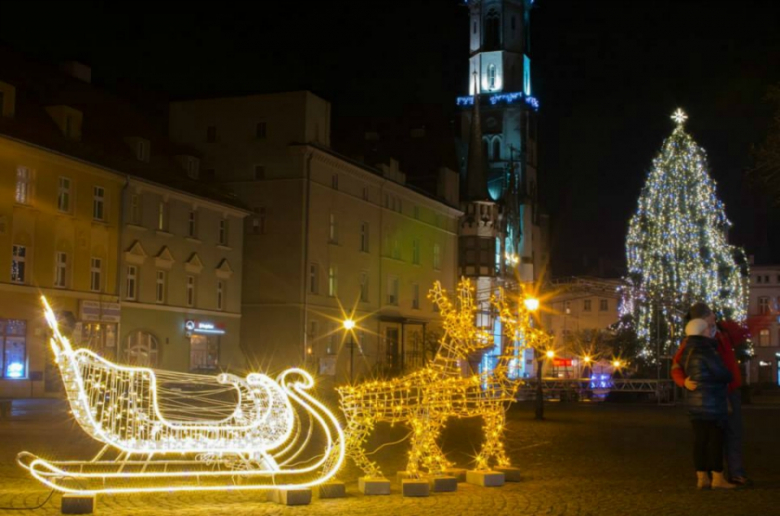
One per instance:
(677, 250)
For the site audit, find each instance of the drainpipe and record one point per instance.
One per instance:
(304, 277)
(117, 287)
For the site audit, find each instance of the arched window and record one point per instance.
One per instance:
(491, 76)
(492, 30)
(141, 349)
(497, 149)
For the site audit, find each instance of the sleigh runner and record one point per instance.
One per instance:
(228, 433)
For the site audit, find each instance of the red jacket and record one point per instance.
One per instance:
(729, 335)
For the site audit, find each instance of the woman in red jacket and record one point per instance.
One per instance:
(728, 334)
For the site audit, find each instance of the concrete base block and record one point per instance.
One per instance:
(333, 489)
(77, 504)
(458, 473)
(510, 474)
(374, 486)
(290, 496)
(415, 487)
(443, 484)
(485, 478)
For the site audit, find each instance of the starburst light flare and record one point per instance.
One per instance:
(223, 433)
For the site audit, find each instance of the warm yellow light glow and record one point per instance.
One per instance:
(550, 353)
(679, 116)
(586, 360)
(531, 304)
(425, 399)
(348, 324)
(256, 445)
(616, 363)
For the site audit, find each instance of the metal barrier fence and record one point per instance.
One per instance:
(572, 389)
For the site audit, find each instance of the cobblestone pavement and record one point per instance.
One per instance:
(585, 459)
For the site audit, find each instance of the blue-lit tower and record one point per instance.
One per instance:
(500, 234)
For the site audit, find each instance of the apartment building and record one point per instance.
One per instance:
(328, 237)
(764, 323)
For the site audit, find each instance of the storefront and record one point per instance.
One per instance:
(204, 337)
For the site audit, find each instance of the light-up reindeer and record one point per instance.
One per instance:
(425, 399)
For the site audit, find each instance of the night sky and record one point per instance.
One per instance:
(608, 75)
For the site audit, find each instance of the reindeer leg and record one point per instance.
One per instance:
(355, 435)
(493, 448)
(434, 460)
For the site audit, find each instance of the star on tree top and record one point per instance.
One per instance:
(679, 117)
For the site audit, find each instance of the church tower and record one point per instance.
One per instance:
(500, 235)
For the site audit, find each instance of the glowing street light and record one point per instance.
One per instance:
(349, 325)
(550, 354)
(586, 360)
(531, 304)
(616, 363)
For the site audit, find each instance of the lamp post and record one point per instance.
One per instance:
(349, 325)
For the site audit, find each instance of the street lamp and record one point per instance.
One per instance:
(349, 325)
(531, 304)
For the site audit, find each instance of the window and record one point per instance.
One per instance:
(314, 278)
(211, 134)
(365, 193)
(416, 296)
(416, 252)
(586, 305)
(19, 264)
(258, 221)
(162, 216)
(161, 287)
(436, 257)
(223, 232)
(131, 283)
(191, 291)
(766, 278)
(63, 195)
(364, 237)
(492, 34)
(334, 181)
(764, 338)
(758, 279)
(98, 203)
(567, 307)
(142, 349)
(61, 270)
(192, 166)
(417, 212)
(192, 224)
(142, 150)
(204, 353)
(23, 185)
(333, 229)
(763, 305)
(220, 295)
(603, 305)
(13, 344)
(135, 209)
(396, 252)
(392, 290)
(333, 281)
(260, 130)
(95, 274)
(364, 287)
(259, 172)
(491, 76)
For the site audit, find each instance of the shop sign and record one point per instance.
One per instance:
(562, 362)
(97, 311)
(206, 327)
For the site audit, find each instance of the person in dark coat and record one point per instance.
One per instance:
(708, 404)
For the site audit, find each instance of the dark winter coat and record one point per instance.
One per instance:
(704, 365)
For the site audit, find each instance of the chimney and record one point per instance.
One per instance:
(77, 70)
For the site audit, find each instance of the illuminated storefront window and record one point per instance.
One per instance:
(13, 343)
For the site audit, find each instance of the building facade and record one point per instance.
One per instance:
(59, 235)
(764, 324)
(180, 290)
(328, 238)
(578, 309)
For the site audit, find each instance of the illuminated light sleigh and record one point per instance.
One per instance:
(167, 431)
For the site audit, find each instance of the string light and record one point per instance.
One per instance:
(676, 247)
(425, 399)
(251, 447)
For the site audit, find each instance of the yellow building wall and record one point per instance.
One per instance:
(39, 225)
